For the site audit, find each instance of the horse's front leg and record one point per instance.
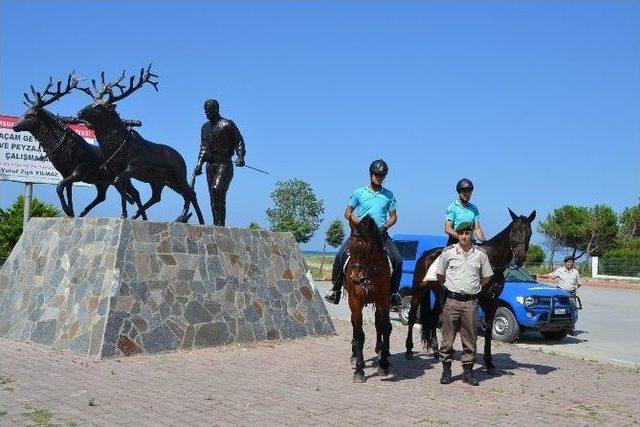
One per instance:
(358, 344)
(489, 304)
(413, 314)
(383, 328)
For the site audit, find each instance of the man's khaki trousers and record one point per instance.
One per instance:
(459, 316)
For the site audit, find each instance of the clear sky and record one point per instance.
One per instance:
(537, 102)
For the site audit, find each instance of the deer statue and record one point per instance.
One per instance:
(127, 152)
(70, 154)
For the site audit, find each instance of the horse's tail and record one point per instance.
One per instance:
(425, 316)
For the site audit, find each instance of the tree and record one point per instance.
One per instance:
(12, 218)
(630, 222)
(254, 226)
(586, 230)
(297, 209)
(334, 238)
(535, 255)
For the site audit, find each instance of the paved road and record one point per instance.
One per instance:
(307, 382)
(608, 326)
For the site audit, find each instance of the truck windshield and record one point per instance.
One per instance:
(519, 275)
(407, 248)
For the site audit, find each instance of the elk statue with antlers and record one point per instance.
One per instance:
(127, 152)
(70, 154)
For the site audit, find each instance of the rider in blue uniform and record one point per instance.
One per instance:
(461, 211)
(380, 204)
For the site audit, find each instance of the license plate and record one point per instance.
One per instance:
(560, 311)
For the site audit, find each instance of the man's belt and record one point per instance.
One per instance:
(461, 297)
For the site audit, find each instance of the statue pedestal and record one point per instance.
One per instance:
(113, 287)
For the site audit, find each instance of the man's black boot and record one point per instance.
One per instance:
(334, 296)
(467, 376)
(446, 373)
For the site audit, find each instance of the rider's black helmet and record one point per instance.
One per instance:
(379, 167)
(464, 184)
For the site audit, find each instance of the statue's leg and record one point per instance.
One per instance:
(135, 195)
(60, 191)
(156, 192)
(70, 197)
(101, 188)
(221, 183)
(189, 197)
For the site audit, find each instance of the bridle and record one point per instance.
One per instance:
(366, 269)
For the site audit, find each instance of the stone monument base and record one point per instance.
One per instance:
(114, 287)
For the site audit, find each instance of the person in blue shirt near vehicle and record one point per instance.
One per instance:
(380, 204)
(462, 210)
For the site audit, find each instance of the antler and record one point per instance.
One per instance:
(39, 97)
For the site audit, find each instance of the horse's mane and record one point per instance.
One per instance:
(498, 236)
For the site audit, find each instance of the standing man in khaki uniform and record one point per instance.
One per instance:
(463, 270)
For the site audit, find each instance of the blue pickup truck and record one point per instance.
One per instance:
(525, 304)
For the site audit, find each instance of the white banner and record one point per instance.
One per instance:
(23, 160)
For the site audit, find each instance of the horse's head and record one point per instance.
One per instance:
(520, 235)
(363, 235)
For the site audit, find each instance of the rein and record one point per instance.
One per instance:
(104, 165)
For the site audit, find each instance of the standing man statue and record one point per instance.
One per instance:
(219, 139)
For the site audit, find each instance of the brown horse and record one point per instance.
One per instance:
(511, 244)
(368, 280)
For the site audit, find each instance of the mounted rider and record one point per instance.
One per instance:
(462, 210)
(379, 203)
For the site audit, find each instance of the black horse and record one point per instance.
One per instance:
(128, 153)
(510, 245)
(70, 154)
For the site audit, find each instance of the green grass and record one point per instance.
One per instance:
(314, 262)
(591, 412)
(39, 417)
(5, 380)
(3, 413)
(434, 421)
(305, 412)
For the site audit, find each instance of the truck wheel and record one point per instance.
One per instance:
(403, 313)
(505, 326)
(555, 335)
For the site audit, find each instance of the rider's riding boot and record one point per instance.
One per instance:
(467, 376)
(396, 300)
(334, 296)
(446, 373)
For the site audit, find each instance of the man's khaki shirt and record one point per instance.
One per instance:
(463, 270)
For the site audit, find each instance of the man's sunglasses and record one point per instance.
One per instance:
(379, 176)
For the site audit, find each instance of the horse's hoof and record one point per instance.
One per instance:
(358, 377)
(409, 355)
(383, 371)
(354, 360)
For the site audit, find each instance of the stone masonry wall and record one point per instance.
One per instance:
(112, 287)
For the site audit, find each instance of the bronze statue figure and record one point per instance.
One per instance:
(70, 154)
(219, 138)
(128, 153)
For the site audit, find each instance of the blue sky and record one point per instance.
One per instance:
(537, 102)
